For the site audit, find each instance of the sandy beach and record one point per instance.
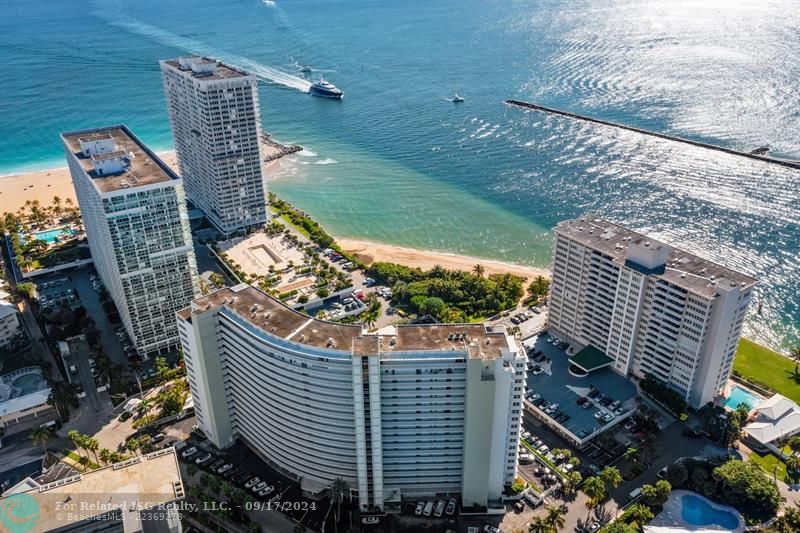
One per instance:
(370, 252)
(44, 185)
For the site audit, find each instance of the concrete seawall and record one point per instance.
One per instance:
(766, 159)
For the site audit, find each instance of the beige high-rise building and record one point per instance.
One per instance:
(134, 212)
(216, 125)
(652, 308)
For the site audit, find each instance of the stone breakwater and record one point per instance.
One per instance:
(276, 150)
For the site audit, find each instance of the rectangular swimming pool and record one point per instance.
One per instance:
(52, 235)
(741, 395)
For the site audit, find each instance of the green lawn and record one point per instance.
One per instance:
(763, 366)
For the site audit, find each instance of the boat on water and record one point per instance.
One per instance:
(325, 89)
(456, 99)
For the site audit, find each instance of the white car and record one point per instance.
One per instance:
(526, 435)
(252, 483)
(188, 452)
(600, 414)
(544, 448)
(261, 486)
(224, 468)
(490, 529)
(266, 491)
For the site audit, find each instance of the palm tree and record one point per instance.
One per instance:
(40, 435)
(85, 462)
(611, 477)
(133, 446)
(91, 444)
(793, 463)
(75, 438)
(539, 525)
(339, 489)
(478, 270)
(595, 488)
(796, 357)
(105, 455)
(555, 517)
(631, 455)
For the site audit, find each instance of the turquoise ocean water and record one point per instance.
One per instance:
(395, 162)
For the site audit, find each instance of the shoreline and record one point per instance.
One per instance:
(44, 185)
(369, 252)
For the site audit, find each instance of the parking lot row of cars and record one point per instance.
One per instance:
(436, 508)
(53, 294)
(221, 466)
(519, 318)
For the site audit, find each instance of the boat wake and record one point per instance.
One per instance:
(263, 72)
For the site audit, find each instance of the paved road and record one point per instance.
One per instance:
(79, 280)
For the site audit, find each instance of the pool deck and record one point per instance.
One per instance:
(733, 385)
(672, 515)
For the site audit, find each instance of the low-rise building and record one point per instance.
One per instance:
(772, 422)
(10, 327)
(137, 495)
(23, 400)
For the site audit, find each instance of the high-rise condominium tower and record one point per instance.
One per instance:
(652, 308)
(216, 124)
(134, 212)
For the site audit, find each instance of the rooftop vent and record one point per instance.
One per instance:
(302, 338)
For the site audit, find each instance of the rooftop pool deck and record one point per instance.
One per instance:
(49, 236)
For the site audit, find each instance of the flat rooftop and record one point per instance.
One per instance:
(682, 268)
(146, 168)
(275, 318)
(220, 72)
(140, 483)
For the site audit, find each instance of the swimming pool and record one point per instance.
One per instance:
(29, 383)
(52, 235)
(697, 511)
(740, 395)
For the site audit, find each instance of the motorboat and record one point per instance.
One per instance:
(325, 89)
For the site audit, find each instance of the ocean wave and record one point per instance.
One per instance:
(326, 161)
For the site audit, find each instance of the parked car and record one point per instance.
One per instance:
(451, 507)
(224, 468)
(261, 486)
(125, 416)
(216, 464)
(370, 520)
(419, 509)
(188, 452)
(252, 483)
(266, 491)
(490, 529)
(437, 512)
(428, 509)
(203, 459)
(662, 473)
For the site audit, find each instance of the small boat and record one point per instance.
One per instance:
(761, 150)
(306, 69)
(325, 89)
(456, 99)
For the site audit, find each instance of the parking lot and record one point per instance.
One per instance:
(581, 405)
(56, 291)
(250, 473)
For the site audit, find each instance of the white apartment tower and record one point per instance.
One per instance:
(216, 125)
(654, 309)
(410, 411)
(134, 212)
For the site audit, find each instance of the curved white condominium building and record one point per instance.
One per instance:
(413, 411)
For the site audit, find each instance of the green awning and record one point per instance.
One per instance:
(590, 358)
